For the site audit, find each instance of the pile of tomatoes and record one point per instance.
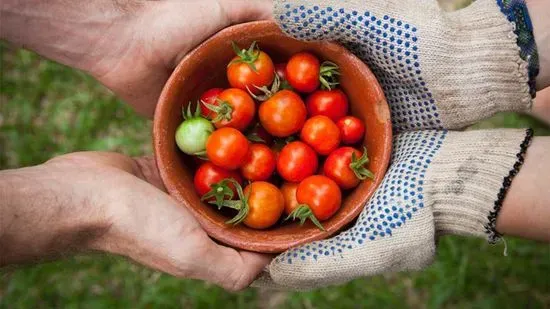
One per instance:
(260, 132)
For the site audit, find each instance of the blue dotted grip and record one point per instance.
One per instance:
(399, 198)
(388, 45)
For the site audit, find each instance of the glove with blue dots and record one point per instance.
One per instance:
(439, 183)
(439, 70)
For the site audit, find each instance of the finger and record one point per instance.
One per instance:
(231, 269)
(240, 11)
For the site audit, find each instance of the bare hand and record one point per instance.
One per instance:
(157, 37)
(113, 203)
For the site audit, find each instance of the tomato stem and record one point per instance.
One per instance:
(249, 56)
(303, 212)
(224, 110)
(329, 75)
(220, 192)
(267, 93)
(240, 205)
(357, 165)
(188, 114)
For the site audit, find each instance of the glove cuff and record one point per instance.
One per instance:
(469, 179)
(517, 13)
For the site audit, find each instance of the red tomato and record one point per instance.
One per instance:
(352, 130)
(227, 148)
(209, 97)
(322, 134)
(302, 72)
(283, 114)
(330, 103)
(297, 161)
(346, 166)
(234, 109)
(321, 194)
(260, 163)
(209, 175)
(265, 205)
(280, 69)
(250, 68)
(289, 192)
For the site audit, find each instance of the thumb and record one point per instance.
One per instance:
(231, 269)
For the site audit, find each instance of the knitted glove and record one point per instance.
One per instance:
(438, 69)
(439, 183)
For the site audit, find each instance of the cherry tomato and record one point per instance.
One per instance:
(209, 97)
(265, 205)
(321, 194)
(234, 108)
(209, 177)
(330, 103)
(302, 72)
(250, 68)
(346, 166)
(192, 134)
(260, 163)
(297, 161)
(352, 130)
(283, 114)
(227, 148)
(322, 134)
(289, 192)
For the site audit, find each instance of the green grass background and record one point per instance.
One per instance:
(47, 109)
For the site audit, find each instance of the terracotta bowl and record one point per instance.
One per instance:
(204, 68)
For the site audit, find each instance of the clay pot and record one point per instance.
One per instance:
(204, 68)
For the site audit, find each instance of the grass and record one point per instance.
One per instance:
(47, 109)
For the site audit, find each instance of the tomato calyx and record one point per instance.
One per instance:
(220, 192)
(241, 205)
(249, 56)
(267, 93)
(224, 110)
(329, 75)
(302, 213)
(357, 165)
(189, 114)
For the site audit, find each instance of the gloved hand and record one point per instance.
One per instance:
(439, 183)
(438, 69)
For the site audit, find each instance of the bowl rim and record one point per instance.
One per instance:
(221, 235)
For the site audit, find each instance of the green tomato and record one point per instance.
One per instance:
(192, 134)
